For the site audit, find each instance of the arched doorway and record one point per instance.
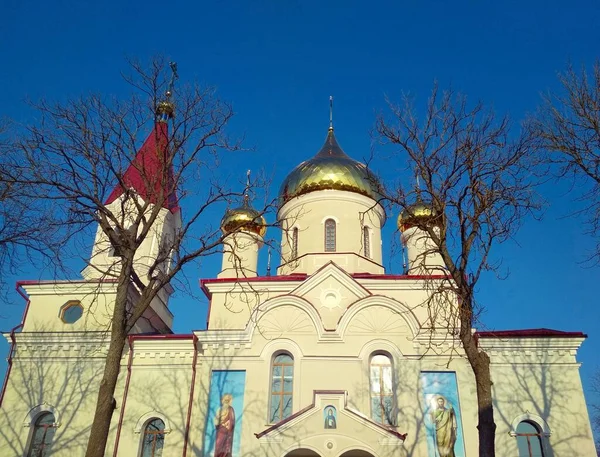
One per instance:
(356, 453)
(302, 453)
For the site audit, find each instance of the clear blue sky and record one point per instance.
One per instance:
(278, 62)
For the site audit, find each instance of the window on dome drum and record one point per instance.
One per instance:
(71, 312)
(282, 380)
(529, 440)
(367, 242)
(43, 434)
(295, 243)
(154, 438)
(329, 235)
(382, 390)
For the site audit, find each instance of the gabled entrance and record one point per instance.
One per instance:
(330, 427)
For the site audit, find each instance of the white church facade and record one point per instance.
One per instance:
(330, 356)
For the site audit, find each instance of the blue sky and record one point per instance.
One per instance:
(278, 61)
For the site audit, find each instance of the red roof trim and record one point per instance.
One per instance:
(530, 333)
(402, 436)
(36, 282)
(161, 336)
(392, 277)
(207, 281)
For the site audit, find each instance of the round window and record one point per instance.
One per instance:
(71, 312)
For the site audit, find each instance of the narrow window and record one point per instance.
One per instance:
(329, 235)
(529, 440)
(382, 392)
(295, 243)
(282, 380)
(43, 433)
(367, 242)
(154, 439)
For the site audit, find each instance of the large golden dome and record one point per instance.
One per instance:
(331, 168)
(244, 219)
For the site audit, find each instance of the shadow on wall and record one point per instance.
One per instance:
(544, 392)
(43, 380)
(223, 407)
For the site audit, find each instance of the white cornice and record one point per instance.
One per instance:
(281, 286)
(69, 287)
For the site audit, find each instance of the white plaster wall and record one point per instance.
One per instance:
(240, 255)
(351, 212)
(164, 227)
(421, 252)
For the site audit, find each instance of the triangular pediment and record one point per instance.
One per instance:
(330, 416)
(331, 290)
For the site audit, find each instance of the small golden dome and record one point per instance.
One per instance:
(331, 168)
(244, 219)
(416, 214)
(165, 110)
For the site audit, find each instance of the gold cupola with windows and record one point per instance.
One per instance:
(330, 169)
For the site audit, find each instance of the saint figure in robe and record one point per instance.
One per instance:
(224, 425)
(444, 419)
(330, 421)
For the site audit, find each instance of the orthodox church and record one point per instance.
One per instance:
(330, 356)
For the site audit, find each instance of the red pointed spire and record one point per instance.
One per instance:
(147, 174)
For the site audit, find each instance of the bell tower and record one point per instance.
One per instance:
(148, 181)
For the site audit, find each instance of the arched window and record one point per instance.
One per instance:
(382, 390)
(154, 438)
(529, 440)
(282, 383)
(43, 434)
(295, 243)
(367, 242)
(329, 235)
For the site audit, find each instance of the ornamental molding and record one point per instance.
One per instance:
(70, 287)
(241, 286)
(404, 283)
(145, 419)
(527, 416)
(331, 270)
(560, 346)
(36, 411)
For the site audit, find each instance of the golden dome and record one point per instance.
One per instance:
(165, 110)
(331, 168)
(415, 214)
(244, 219)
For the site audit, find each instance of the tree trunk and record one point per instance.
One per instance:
(480, 363)
(105, 404)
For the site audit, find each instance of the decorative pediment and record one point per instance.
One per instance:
(329, 423)
(331, 291)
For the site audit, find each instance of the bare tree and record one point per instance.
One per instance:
(27, 226)
(568, 126)
(474, 174)
(82, 159)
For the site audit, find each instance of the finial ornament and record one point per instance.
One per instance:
(247, 189)
(331, 112)
(174, 76)
(166, 109)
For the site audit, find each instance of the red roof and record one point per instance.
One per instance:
(530, 333)
(148, 174)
